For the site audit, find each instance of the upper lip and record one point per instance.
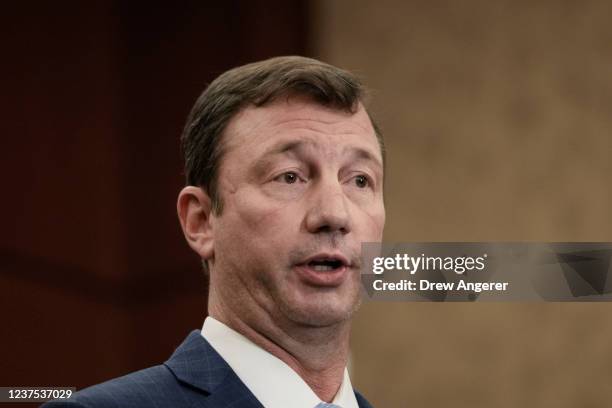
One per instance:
(327, 256)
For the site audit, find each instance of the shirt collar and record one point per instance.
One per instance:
(258, 369)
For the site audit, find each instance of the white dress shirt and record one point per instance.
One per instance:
(273, 382)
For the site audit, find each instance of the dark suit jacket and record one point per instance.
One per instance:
(194, 376)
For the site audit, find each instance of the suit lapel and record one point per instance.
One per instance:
(196, 363)
(361, 401)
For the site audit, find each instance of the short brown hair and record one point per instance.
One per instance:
(257, 84)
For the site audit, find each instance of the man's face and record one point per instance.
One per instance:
(302, 188)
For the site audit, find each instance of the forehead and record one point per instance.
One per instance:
(296, 118)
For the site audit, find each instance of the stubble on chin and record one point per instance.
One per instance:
(321, 310)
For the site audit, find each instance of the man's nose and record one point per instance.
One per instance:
(328, 209)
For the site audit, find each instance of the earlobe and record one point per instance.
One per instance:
(194, 211)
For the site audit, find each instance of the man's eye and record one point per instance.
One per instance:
(289, 177)
(361, 181)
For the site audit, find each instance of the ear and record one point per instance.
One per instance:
(193, 207)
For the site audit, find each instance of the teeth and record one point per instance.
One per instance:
(322, 268)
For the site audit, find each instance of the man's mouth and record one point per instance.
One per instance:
(325, 264)
(324, 269)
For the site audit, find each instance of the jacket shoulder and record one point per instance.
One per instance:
(361, 401)
(152, 387)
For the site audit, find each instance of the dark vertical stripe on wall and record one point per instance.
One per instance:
(92, 260)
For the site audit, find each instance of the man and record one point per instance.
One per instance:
(284, 175)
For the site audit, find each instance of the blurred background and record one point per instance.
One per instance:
(498, 121)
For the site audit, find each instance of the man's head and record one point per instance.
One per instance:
(285, 180)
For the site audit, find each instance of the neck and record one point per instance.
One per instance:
(318, 355)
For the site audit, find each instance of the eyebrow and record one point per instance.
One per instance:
(285, 147)
(297, 145)
(362, 154)
(281, 148)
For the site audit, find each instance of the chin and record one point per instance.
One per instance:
(321, 312)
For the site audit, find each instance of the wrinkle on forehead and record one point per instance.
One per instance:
(307, 145)
(308, 122)
(307, 115)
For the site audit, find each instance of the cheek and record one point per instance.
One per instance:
(261, 215)
(372, 224)
(369, 213)
(252, 223)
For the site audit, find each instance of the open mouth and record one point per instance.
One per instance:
(325, 265)
(324, 270)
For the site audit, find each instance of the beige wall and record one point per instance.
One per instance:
(498, 123)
